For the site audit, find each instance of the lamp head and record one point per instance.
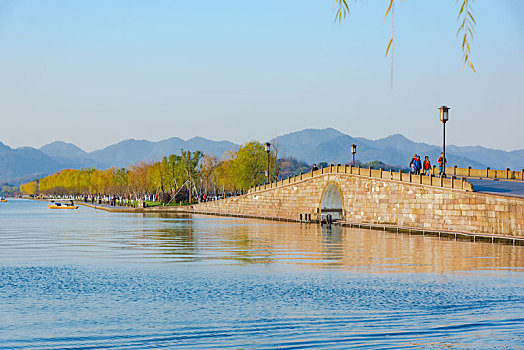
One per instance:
(444, 115)
(267, 147)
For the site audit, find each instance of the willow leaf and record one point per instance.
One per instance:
(389, 45)
(389, 9)
(471, 17)
(462, 8)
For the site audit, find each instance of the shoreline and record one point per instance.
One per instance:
(451, 235)
(117, 209)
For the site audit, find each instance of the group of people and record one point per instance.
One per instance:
(417, 166)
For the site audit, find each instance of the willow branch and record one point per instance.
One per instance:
(465, 30)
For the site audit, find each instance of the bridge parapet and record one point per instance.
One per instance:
(431, 180)
(488, 173)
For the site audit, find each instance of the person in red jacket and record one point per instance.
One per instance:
(426, 166)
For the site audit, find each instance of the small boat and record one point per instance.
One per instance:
(57, 205)
(3, 200)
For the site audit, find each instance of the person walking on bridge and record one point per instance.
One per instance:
(412, 163)
(441, 163)
(426, 166)
(417, 165)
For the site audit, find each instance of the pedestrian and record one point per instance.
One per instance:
(417, 165)
(411, 164)
(426, 166)
(315, 168)
(442, 163)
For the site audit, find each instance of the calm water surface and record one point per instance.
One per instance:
(87, 279)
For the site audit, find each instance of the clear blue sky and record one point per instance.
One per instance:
(96, 72)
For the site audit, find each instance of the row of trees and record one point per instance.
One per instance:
(189, 175)
(7, 189)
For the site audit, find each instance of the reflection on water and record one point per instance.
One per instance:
(359, 249)
(91, 236)
(91, 279)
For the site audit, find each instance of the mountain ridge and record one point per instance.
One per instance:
(309, 145)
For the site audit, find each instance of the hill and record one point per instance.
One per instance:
(309, 146)
(331, 146)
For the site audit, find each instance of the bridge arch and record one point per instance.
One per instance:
(332, 202)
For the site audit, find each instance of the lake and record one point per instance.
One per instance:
(88, 279)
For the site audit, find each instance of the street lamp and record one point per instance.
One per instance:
(444, 111)
(267, 147)
(353, 151)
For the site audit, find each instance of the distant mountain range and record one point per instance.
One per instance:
(332, 146)
(309, 145)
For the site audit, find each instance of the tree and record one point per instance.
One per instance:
(248, 166)
(290, 166)
(208, 165)
(120, 181)
(9, 189)
(223, 175)
(140, 179)
(30, 188)
(464, 32)
(191, 171)
(188, 170)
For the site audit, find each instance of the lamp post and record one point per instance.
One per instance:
(267, 147)
(353, 151)
(444, 116)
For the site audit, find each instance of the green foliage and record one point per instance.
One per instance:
(9, 189)
(292, 167)
(377, 164)
(248, 166)
(175, 176)
(167, 175)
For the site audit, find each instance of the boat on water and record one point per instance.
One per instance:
(57, 205)
(3, 200)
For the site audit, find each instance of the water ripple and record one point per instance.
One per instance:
(96, 280)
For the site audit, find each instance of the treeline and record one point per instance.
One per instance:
(189, 175)
(8, 189)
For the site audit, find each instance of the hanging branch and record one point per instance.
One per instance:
(465, 30)
(343, 10)
(391, 8)
(467, 25)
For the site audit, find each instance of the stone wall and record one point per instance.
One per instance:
(485, 173)
(381, 201)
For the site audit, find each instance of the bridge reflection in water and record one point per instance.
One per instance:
(260, 241)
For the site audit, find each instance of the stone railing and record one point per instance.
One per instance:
(450, 182)
(484, 173)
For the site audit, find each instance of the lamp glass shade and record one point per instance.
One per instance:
(353, 148)
(267, 147)
(444, 115)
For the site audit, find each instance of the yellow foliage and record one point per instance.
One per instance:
(30, 188)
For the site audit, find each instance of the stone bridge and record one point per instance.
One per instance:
(376, 197)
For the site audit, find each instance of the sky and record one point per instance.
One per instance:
(97, 72)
